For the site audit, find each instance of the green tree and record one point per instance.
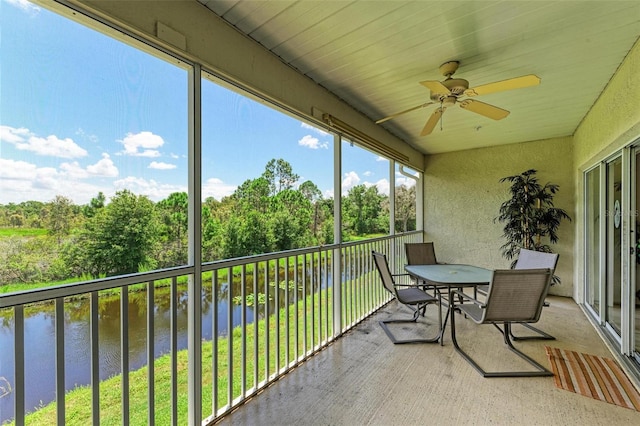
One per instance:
(405, 208)
(120, 239)
(94, 205)
(363, 211)
(174, 222)
(16, 220)
(215, 216)
(60, 217)
(312, 193)
(290, 220)
(246, 235)
(280, 176)
(253, 194)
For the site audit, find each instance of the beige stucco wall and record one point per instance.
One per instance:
(462, 192)
(463, 195)
(611, 124)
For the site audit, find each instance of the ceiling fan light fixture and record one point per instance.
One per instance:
(449, 101)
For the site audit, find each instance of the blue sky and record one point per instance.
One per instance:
(81, 112)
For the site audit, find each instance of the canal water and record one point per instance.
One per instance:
(40, 342)
(39, 324)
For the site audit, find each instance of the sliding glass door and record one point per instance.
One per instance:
(592, 238)
(613, 282)
(612, 248)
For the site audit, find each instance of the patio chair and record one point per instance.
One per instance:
(531, 259)
(514, 295)
(407, 294)
(420, 253)
(423, 254)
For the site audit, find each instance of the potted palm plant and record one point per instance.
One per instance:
(530, 218)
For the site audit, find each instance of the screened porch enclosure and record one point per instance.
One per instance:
(267, 314)
(247, 139)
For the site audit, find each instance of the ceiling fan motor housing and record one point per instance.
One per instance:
(456, 86)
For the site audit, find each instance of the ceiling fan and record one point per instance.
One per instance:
(450, 91)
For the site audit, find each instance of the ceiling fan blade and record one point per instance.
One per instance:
(432, 121)
(484, 109)
(499, 86)
(382, 120)
(436, 87)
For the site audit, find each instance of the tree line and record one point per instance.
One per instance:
(131, 233)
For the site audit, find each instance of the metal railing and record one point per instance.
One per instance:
(265, 315)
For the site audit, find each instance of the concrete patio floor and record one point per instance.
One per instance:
(363, 379)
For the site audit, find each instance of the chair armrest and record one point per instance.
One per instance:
(401, 275)
(401, 284)
(466, 297)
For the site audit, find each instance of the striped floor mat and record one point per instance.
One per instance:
(593, 376)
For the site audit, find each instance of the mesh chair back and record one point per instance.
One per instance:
(530, 259)
(383, 268)
(516, 295)
(420, 253)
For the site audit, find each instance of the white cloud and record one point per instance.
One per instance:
(403, 180)
(16, 170)
(103, 168)
(25, 6)
(51, 146)
(142, 144)
(350, 180)
(73, 170)
(154, 190)
(382, 184)
(313, 143)
(379, 158)
(367, 173)
(16, 178)
(318, 130)
(217, 189)
(161, 166)
(23, 181)
(13, 135)
(46, 178)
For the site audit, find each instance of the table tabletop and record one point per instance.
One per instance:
(451, 274)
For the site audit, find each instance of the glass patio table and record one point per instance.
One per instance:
(449, 277)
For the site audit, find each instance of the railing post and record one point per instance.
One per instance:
(195, 248)
(336, 258)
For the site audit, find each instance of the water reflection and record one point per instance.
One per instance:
(40, 343)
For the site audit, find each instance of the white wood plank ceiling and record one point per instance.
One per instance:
(373, 54)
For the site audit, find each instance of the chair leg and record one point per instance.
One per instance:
(539, 372)
(416, 313)
(541, 334)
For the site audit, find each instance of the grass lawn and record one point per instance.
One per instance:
(22, 232)
(78, 401)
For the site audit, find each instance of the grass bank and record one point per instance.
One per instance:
(78, 401)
